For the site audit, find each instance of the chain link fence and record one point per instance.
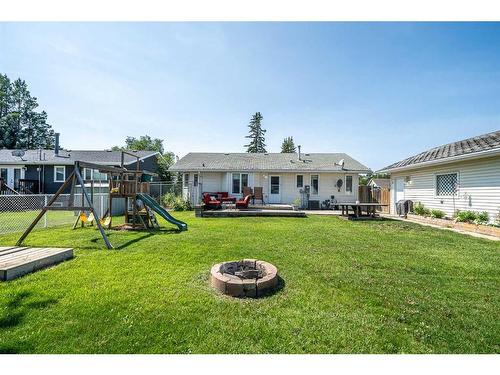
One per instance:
(17, 212)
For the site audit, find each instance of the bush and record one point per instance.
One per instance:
(169, 200)
(181, 204)
(176, 203)
(419, 209)
(437, 214)
(465, 216)
(482, 218)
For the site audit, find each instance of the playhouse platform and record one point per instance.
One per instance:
(17, 261)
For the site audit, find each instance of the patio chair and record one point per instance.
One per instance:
(243, 203)
(258, 194)
(247, 190)
(211, 202)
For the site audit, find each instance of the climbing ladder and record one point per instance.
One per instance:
(152, 218)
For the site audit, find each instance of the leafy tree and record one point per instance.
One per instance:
(256, 135)
(146, 143)
(21, 126)
(288, 146)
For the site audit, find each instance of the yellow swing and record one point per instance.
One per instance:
(87, 219)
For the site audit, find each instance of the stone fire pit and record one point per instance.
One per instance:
(244, 278)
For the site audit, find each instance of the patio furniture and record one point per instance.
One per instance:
(258, 194)
(247, 190)
(211, 202)
(243, 203)
(224, 197)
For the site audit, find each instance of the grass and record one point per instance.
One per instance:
(349, 287)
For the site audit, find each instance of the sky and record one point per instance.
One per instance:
(379, 92)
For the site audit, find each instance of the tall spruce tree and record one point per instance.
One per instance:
(288, 146)
(21, 126)
(256, 135)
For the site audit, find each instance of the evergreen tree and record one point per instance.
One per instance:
(256, 135)
(21, 126)
(288, 146)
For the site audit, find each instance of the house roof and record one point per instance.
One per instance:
(381, 182)
(471, 147)
(66, 157)
(325, 162)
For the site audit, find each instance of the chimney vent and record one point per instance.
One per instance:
(299, 156)
(56, 147)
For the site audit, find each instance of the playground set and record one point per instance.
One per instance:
(130, 185)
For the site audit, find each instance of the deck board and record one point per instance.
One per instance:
(18, 261)
(253, 212)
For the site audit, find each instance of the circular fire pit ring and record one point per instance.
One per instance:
(244, 278)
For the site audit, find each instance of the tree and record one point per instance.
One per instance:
(21, 126)
(288, 146)
(256, 135)
(146, 143)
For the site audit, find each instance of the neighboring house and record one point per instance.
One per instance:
(380, 183)
(44, 171)
(463, 175)
(283, 176)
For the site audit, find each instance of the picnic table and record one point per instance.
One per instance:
(358, 208)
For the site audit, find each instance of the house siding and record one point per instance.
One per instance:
(479, 187)
(222, 181)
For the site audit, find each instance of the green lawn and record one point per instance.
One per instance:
(349, 287)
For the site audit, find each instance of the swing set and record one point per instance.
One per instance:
(132, 185)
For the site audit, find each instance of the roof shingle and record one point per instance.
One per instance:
(320, 162)
(65, 157)
(468, 146)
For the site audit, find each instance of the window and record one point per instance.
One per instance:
(314, 184)
(446, 184)
(186, 179)
(244, 181)
(300, 181)
(93, 174)
(195, 179)
(87, 174)
(275, 184)
(348, 184)
(3, 174)
(240, 180)
(59, 173)
(236, 183)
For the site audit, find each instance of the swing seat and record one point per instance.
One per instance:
(105, 221)
(87, 219)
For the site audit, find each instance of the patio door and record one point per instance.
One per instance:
(274, 189)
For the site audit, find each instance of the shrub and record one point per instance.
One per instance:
(419, 209)
(180, 204)
(438, 214)
(482, 218)
(169, 200)
(176, 203)
(466, 216)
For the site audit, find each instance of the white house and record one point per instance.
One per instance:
(284, 177)
(463, 175)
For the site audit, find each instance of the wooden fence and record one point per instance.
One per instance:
(367, 194)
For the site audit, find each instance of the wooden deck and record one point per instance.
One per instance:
(253, 212)
(17, 261)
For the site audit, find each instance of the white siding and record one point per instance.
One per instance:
(479, 187)
(211, 181)
(222, 181)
